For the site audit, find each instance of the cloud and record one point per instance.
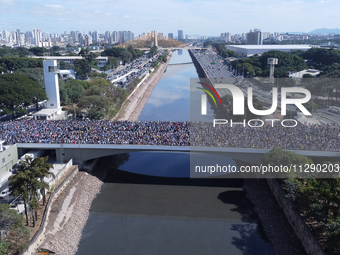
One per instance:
(6, 2)
(54, 6)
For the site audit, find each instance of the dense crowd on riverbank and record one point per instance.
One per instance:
(96, 132)
(172, 133)
(301, 137)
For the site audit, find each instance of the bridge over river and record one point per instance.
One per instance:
(84, 152)
(176, 64)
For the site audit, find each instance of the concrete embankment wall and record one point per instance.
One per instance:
(302, 231)
(200, 70)
(39, 236)
(203, 75)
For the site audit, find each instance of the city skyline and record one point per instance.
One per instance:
(168, 16)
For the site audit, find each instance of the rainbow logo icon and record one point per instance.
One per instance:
(208, 92)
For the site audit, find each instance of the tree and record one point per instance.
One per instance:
(17, 236)
(42, 170)
(36, 74)
(16, 89)
(3, 70)
(278, 157)
(153, 51)
(29, 180)
(3, 247)
(14, 63)
(64, 65)
(20, 184)
(95, 106)
(89, 56)
(74, 89)
(38, 51)
(113, 62)
(23, 51)
(101, 99)
(82, 67)
(54, 51)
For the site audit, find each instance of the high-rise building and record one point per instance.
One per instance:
(37, 36)
(265, 35)
(28, 37)
(95, 36)
(154, 38)
(180, 35)
(170, 35)
(226, 37)
(254, 38)
(17, 37)
(115, 37)
(6, 35)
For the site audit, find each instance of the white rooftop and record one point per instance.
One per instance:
(46, 112)
(274, 47)
(299, 75)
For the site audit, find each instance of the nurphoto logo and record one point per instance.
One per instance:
(239, 104)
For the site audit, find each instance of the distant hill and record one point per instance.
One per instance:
(325, 31)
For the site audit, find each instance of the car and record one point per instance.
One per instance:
(5, 193)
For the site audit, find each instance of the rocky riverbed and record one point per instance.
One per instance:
(70, 212)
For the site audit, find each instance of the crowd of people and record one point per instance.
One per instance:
(172, 133)
(96, 132)
(301, 137)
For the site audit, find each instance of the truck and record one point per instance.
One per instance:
(32, 154)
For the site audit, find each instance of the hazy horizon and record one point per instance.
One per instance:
(194, 17)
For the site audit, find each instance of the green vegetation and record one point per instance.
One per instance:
(19, 90)
(286, 158)
(17, 234)
(24, 52)
(9, 51)
(316, 199)
(82, 67)
(153, 51)
(257, 65)
(36, 74)
(97, 75)
(14, 63)
(28, 181)
(97, 98)
(222, 51)
(125, 55)
(161, 58)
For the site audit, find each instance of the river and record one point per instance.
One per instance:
(148, 205)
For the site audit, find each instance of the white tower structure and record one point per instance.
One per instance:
(52, 106)
(51, 84)
(272, 62)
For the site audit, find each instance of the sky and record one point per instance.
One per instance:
(194, 17)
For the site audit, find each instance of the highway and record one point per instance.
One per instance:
(218, 73)
(136, 69)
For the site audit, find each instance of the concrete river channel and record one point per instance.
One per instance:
(149, 205)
